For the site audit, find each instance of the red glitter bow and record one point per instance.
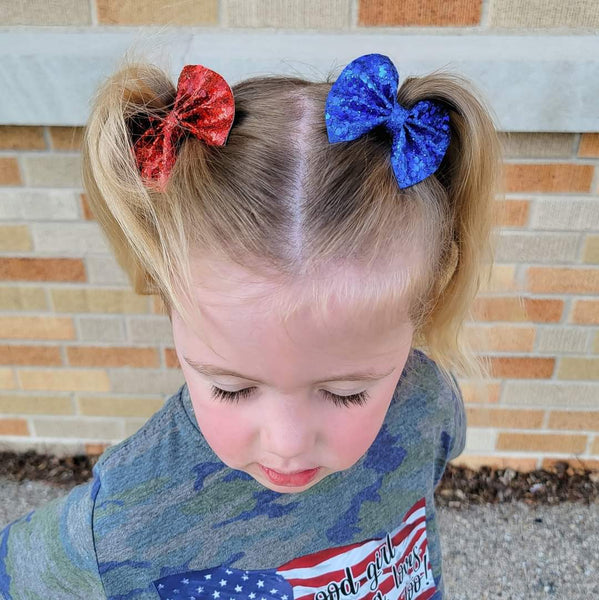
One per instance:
(204, 106)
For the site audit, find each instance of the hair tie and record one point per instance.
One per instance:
(365, 96)
(204, 106)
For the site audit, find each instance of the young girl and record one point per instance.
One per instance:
(304, 238)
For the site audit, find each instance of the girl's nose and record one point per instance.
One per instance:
(288, 429)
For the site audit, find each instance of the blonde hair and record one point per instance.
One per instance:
(283, 203)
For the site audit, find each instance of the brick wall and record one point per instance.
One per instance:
(84, 361)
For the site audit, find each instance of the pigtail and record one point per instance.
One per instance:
(470, 178)
(130, 214)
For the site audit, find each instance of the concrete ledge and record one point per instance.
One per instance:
(532, 83)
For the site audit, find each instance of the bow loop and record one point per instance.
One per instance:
(365, 96)
(204, 106)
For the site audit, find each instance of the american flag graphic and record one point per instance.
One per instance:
(394, 568)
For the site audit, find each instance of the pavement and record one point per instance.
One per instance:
(511, 551)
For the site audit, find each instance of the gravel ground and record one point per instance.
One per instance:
(507, 551)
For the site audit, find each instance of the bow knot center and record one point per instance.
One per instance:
(397, 116)
(171, 120)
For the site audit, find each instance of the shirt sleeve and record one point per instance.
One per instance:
(50, 553)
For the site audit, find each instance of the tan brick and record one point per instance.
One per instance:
(475, 462)
(36, 405)
(143, 382)
(113, 356)
(42, 12)
(42, 269)
(549, 247)
(73, 427)
(131, 12)
(480, 440)
(541, 442)
(595, 446)
(512, 213)
(15, 238)
(8, 380)
(119, 406)
(51, 169)
(30, 355)
(99, 329)
(501, 338)
(13, 427)
(504, 418)
(43, 328)
(503, 279)
(590, 252)
(388, 13)
(64, 380)
(133, 426)
(543, 14)
(18, 298)
(560, 340)
(537, 144)
(580, 420)
(480, 392)
(66, 138)
(574, 215)
(550, 393)
(9, 171)
(585, 312)
(292, 14)
(578, 368)
(547, 280)
(98, 300)
(22, 137)
(518, 309)
(551, 178)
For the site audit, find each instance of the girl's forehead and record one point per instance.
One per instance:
(217, 280)
(248, 323)
(336, 300)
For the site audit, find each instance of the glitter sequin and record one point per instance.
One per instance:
(204, 106)
(365, 96)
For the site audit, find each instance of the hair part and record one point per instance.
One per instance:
(319, 220)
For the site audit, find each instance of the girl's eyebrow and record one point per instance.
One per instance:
(210, 370)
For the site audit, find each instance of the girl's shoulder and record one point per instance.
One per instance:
(166, 425)
(422, 375)
(423, 388)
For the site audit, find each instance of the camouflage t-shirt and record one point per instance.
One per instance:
(164, 517)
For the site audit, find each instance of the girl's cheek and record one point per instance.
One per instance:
(222, 425)
(351, 438)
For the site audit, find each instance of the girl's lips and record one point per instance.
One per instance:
(290, 479)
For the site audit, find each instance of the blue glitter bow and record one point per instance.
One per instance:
(365, 95)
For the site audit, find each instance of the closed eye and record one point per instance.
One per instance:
(352, 400)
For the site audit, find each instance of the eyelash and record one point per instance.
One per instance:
(226, 396)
